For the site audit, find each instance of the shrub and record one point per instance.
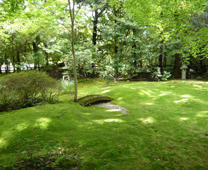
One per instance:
(25, 89)
(158, 76)
(108, 73)
(199, 78)
(67, 86)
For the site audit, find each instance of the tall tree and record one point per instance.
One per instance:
(72, 16)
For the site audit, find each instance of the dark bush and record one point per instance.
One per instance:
(26, 89)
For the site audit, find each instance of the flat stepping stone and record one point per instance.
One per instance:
(91, 99)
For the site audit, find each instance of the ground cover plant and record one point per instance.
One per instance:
(166, 128)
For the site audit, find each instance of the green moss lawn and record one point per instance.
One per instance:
(166, 128)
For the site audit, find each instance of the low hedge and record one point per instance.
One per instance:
(26, 89)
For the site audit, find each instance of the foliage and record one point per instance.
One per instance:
(108, 73)
(198, 78)
(67, 86)
(165, 76)
(158, 76)
(131, 36)
(27, 89)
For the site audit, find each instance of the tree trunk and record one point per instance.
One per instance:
(140, 63)
(202, 66)
(134, 50)
(116, 48)
(176, 66)
(18, 61)
(72, 16)
(161, 57)
(165, 61)
(75, 64)
(46, 54)
(13, 62)
(35, 50)
(95, 22)
(6, 62)
(94, 38)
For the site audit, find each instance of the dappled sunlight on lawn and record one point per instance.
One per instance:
(198, 87)
(182, 100)
(87, 114)
(44, 122)
(21, 126)
(144, 92)
(147, 92)
(189, 99)
(8, 134)
(202, 114)
(105, 91)
(184, 118)
(4, 139)
(200, 101)
(148, 104)
(164, 93)
(187, 95)
(120, 98)
(108, 120)
(106, 87)
(147, 120)
(3, 143)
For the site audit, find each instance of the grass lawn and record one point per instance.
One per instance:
(166, 128)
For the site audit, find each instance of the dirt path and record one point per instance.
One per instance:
(112, 107)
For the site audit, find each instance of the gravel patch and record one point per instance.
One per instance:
(112, 107)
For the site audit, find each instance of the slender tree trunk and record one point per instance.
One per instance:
(72, 16)
(116, 48)
(6, 63)
(46, 54)
(165, 60)
(134, 50)
(95, 22)
(202, 66)
(177, 55)
(13, 57)
(160, 63)
(176, 66)
(140, 63)
(161, 57)
(94, 37)
(18, 61)
(35, 50)
(13, 62)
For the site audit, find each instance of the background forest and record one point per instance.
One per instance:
(111, 39)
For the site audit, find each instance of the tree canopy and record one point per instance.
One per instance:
(111, 38)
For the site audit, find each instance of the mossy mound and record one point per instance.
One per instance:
(91, 99)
